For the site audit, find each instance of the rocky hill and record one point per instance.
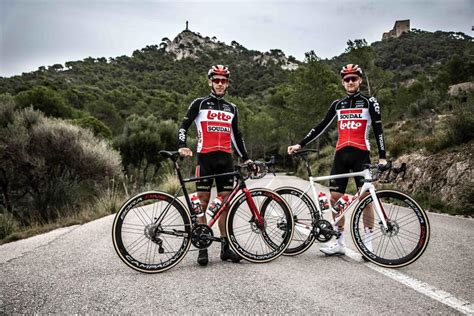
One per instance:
(447, 176)
(188, 44)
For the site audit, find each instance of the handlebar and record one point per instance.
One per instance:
(304, 152)
(258, 169)
(389, 166)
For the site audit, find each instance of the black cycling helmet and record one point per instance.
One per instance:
(218, 70)
(351, 69)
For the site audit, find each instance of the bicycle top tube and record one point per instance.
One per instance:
(364, 173)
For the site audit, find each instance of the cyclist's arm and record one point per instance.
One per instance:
(237, 139)
(315, 132)
(191, 115)
(376, 117)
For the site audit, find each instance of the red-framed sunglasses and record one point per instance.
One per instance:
(220, 80)
(351, 78)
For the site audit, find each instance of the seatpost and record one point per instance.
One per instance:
(181, 181)
(308, 168)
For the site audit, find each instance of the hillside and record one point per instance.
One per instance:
(125, 109)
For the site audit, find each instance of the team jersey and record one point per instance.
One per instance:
(217, 126)
(355, 114)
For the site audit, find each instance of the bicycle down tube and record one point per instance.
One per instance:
(367, 186)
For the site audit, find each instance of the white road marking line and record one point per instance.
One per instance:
(419, 286)
(269, 183)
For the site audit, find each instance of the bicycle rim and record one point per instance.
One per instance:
(305, 215)
(147, 246)
(251, 242)
(406, 238)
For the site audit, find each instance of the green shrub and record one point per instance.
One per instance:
(457, 129)
(8, 225)
(49, 167)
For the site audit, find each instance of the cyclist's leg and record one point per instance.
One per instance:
(223, 163)
(362, 157)
(203, 187)
(337, 187)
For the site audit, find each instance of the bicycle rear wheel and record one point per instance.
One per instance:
(407, 235)
(251, 242)
(152, 232)
(305, 214)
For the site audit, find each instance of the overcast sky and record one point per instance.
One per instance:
(37, 33)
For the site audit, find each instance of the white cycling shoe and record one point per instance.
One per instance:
(334, 249)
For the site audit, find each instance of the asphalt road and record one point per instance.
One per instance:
(76, 270)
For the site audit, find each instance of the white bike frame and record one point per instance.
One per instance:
(367, 186)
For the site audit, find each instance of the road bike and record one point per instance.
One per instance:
(153, 231)
(401, 228)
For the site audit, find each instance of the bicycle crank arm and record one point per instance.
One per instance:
(329, 231)
(212, 238)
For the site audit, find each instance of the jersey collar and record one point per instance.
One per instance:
(350, 96)
(216, 97)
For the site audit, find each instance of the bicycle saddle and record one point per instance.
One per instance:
(173, 155)
(304, 152)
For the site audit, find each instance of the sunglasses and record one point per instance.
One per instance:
(220, 81)
(349, 79)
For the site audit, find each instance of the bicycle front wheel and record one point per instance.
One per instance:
(152, 232)
(305, 215)
(402, 242)
(254, 243)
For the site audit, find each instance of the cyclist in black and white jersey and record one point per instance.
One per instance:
(356, 114)
(217, 130)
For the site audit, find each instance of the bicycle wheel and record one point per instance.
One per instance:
(407, 235)
(260, 244)
(305, 214)
(152, 232)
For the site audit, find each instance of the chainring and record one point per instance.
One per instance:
(322, 230)
(201, 236)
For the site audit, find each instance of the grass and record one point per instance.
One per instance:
(108, 202)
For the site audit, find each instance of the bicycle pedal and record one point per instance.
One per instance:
(161, 250)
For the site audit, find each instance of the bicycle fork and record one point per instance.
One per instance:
(367, 186)
(253, 208)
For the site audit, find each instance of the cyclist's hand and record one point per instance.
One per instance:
(294, 148)
(185, 152)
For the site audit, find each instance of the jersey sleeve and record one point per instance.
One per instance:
(237, 139)
(376, 117)
(189, 118)
(316, 131)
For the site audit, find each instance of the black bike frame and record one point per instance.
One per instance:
(240, 185)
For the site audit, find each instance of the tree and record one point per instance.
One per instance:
(46, 100)
(140, 144)
(358, 52)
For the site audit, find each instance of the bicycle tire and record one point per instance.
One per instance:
(408, 234)
(305, 214)
(250, 242)
(137, 241)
